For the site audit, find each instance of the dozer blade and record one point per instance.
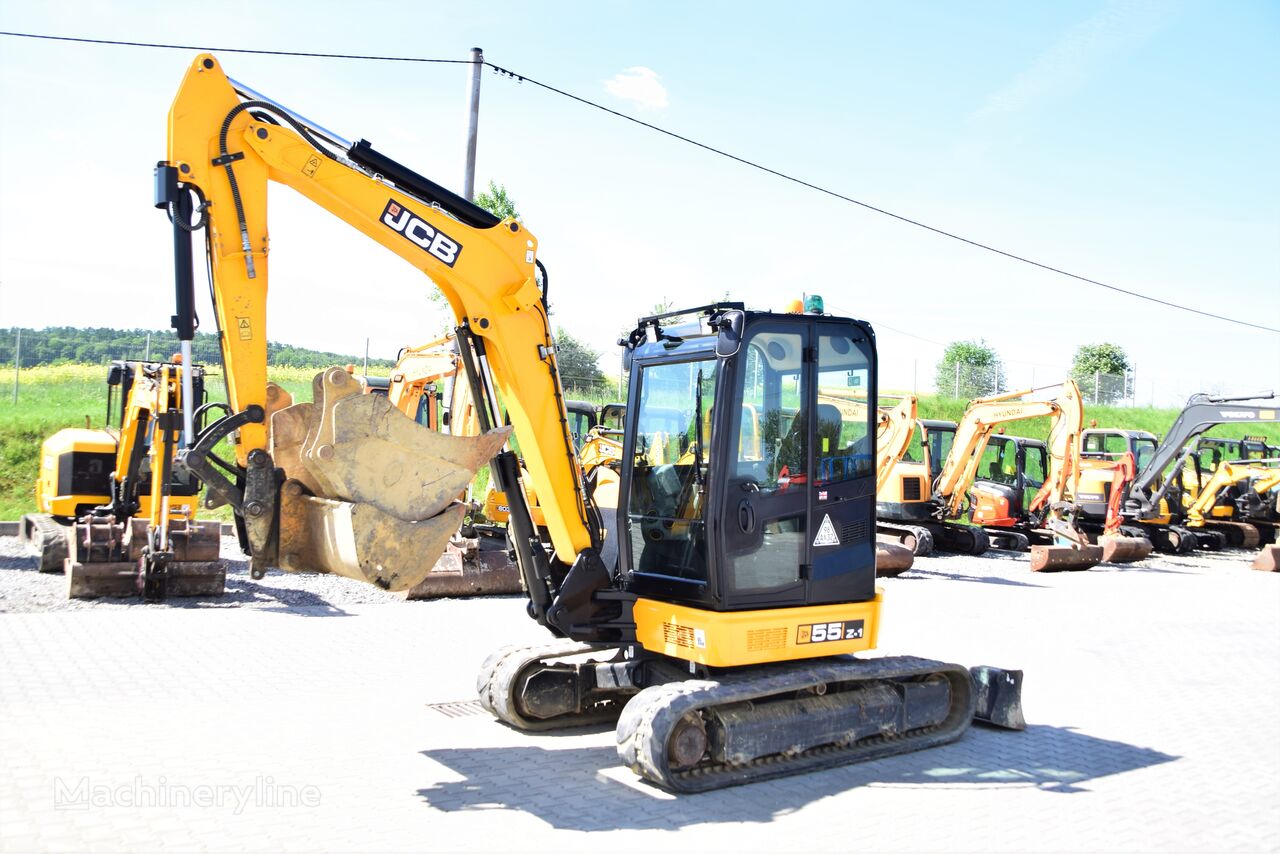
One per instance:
(892, 559)
(362, 449)
(1268, 560)
(998, 697)
(466, 570)
(1064, 558)
(107, 559)
(359, 541)
(1117, 549)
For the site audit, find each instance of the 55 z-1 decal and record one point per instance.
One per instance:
(822, 632)
(404, 222)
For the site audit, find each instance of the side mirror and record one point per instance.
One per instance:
(730, 337)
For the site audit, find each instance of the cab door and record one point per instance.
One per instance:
(798, 499)
(842, 489)
(764, 529)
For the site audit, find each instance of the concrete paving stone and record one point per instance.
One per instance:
(1151, 695)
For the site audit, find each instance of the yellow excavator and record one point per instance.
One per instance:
(114, 513)
(924, 499)
(1059, 543)
(1150, 500)
(1243, 487)
(719, 637)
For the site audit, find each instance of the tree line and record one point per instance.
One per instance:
(99, 345)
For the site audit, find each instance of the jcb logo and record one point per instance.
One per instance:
(400, 219)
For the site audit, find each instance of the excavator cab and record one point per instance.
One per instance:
(739, 488)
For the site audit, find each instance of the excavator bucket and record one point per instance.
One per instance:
(371, 494)
(1118, 549)
(359, 541)
(1064, 558)
(1268, 560)
(892, 559)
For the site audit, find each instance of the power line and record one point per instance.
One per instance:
(204, 49)
(688, 140)
(879, 210)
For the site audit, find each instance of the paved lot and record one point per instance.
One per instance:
(303, 722)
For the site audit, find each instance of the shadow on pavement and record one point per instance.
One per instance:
(561, 786)
(918, 573)
(22, 562)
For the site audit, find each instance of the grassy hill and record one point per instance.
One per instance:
(57, 396)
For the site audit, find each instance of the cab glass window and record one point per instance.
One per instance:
(669, 469)
(843, 421)
(999, 461)
(1036, 469)
(772, 437)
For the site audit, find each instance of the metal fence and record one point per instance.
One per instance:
(965, 382)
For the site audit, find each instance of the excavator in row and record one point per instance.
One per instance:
(706, 596)
(113, 512)
(1046, 523)
(927, 500)
(1152, 500)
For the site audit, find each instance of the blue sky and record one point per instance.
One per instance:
(1131, 142)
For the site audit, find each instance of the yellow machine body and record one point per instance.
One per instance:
(736, 638)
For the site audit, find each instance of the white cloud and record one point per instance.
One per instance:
(639, 84)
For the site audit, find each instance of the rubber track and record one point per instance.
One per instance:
(49, 539)
(648, 720)
(924, 537)
(501, 671)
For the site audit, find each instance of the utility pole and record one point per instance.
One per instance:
(17, 362)
(957, 379)
(146, 357)
(366, 357)
(473, 126)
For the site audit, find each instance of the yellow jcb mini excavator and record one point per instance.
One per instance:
(719, 636)
(116, 515)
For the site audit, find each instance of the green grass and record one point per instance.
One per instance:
(54, 397)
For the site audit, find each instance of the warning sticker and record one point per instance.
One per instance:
(826, 533)
(309, 168)
(245, 330)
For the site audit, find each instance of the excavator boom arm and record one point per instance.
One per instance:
(226, 150)
(985, 414)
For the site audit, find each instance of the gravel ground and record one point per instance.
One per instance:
(24, 590)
